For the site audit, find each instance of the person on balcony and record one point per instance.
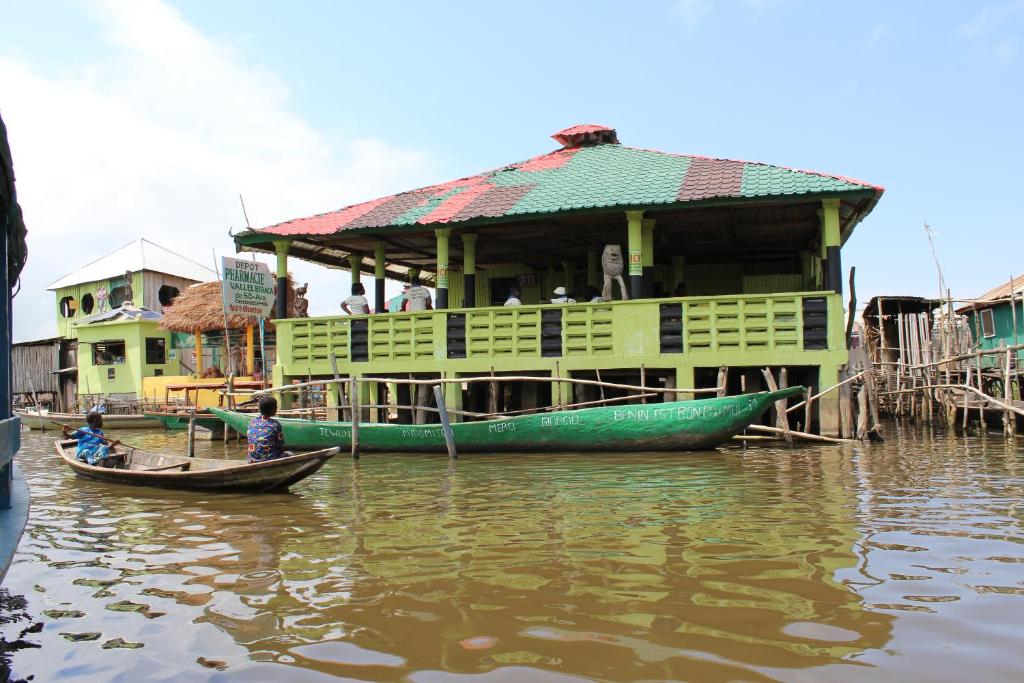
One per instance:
(561, 297)
(513, 298)
(357, 303)
(417, 297)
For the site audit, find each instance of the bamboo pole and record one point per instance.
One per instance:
(825, 391)
(799, 435)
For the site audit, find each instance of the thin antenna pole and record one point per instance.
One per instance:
(227, 335)
(244, 213)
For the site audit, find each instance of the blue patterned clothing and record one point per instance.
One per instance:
(91, 448)
(266, 439)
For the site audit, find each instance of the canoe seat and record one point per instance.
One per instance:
(183, 465)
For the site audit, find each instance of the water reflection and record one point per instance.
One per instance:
(753, 565)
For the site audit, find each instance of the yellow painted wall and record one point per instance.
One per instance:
(155, 389)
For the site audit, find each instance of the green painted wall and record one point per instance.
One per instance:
(127, 376)
(1002, 316)
(66, 326)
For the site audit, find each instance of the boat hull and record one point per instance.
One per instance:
(203, 474)
(53, 421)
(675, 426)
(176, 421)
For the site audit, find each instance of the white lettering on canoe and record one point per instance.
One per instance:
(684, 413)
(336, 433)
(560, 420)
(501, 427)
(421, 433)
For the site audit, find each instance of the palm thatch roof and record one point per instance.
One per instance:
(200, 308)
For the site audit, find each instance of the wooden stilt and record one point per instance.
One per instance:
(353, 393)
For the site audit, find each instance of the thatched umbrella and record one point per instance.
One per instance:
(200, 308)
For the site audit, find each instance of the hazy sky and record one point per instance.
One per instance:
(148, 119)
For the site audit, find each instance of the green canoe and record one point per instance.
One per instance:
(174, 421)
(675, 426)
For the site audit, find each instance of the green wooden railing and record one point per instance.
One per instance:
(708, 325)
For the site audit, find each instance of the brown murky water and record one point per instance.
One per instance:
(901, 561)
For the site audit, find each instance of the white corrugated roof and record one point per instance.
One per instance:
(140, 254)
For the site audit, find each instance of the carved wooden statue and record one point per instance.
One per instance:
(300, 302)
(611, 263)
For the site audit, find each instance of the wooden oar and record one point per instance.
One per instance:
(103, 438)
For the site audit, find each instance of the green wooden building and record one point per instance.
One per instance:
(117, 349)
(152, 275)
(996, 319)
(728, 264)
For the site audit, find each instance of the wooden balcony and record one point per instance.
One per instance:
(800, 328)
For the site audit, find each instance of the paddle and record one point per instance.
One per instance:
(112, 442)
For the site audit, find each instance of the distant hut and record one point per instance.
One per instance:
(199, 310)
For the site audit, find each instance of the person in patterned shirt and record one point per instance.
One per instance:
(266, 438)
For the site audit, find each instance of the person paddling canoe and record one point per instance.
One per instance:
(93, 447)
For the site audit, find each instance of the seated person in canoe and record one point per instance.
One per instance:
(265, 435)
(93, 447)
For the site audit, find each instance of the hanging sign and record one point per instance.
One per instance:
(248, 288)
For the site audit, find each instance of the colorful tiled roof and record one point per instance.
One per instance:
(580, 176)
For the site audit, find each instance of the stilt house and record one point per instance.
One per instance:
(728, 264)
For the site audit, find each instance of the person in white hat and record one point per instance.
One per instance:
(561, 297)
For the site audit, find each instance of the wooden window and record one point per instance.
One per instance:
(988, 323)
(68, 306)
(110, 352)
(156, 350)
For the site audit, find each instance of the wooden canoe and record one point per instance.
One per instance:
(674, 426)
(140, 468)
(44, 420)
(174, 420)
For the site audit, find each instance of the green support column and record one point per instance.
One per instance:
(594, 268)
(830, 238)
(678, 272)
(647, 258)
(281, 304)
(442, 267)
(380, 304)
(634, 223)
(469, 269)
(568, 270)
(355, 261)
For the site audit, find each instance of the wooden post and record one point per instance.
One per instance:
(250, 351)
(781, 421)
(967, 382)
(199, 354)
(353, 401)
(336, 387)
(191, 449)
(492, 395)
(845, 410)
(723, 380)
(643, 384)
(1009, 419)
(446, 427)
